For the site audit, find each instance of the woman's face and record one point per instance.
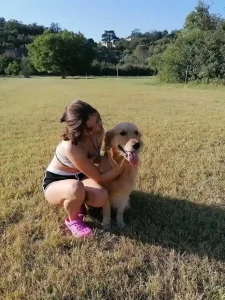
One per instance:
(94, 125)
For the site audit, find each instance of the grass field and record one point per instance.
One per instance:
(174, 243)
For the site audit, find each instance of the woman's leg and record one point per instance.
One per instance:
(96, 195)
(68, 193)
(71, 194)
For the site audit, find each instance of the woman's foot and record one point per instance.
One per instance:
(78, 227)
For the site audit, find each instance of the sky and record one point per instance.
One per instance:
(92, 17)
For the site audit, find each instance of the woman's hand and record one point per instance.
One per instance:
(79, 159)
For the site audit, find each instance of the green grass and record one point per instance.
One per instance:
(174, 243)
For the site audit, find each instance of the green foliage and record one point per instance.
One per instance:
(13, 68)
(197, 54)
(201, 18)
(54, 51)
(135, 70)
(4, 61)
(26, 68)
(128, 69)
(55, 28)
(64, 52)
(141, 54)
(109, 36)
(15, 34)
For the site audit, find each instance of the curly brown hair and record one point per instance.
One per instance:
(76, 115)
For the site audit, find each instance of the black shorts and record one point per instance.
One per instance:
(52, 177)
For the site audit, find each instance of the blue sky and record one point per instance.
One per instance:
(92, 17)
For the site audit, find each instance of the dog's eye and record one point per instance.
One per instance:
(136, 132)
(123, 133)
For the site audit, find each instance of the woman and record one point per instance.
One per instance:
(72, 179)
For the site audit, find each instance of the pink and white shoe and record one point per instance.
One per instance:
(78, 227)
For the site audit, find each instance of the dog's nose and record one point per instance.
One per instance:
(136, 146)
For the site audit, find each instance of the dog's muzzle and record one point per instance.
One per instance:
(131, 156)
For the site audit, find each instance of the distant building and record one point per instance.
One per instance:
(108, 44)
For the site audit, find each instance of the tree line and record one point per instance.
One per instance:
(194, 53)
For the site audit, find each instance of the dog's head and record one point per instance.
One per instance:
(124, 139)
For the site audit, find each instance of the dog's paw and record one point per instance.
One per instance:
(121, 224)
(106, 226)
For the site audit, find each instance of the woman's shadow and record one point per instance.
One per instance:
(176, 224)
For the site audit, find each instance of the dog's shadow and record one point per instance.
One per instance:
(174, 223)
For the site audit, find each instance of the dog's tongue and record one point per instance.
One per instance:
(132, 158)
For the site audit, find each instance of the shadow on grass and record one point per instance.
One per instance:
(80, 77)
(176, 224)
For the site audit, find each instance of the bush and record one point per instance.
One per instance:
(135, 70)
(4, 62)
(13, 68)
(103, 69)
(26, 69)
(200, 54)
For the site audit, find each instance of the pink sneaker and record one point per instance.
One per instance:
(78, 228)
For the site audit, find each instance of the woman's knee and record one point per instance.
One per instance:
(76, 190)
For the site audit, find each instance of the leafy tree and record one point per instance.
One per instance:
(136, 33)
(141, 54)
(13, 68)
(26, 68)
(201, 18)
(64, 52)
(195, 55)
(4, 61)
(123, 44)
(55, 28)
(109, 36)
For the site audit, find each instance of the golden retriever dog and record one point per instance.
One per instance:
(122, 144)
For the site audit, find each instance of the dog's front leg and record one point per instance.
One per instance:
(106, 210)
(120, 213)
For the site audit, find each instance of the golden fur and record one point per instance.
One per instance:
(128, 137)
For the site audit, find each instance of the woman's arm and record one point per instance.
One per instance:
(79, 159)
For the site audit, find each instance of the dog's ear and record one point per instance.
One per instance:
(107, 140)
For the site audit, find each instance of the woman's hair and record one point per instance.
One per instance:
(76, 115)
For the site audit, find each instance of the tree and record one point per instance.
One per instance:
(55, 28)
(136, 33)
(34, 29)
(4, 62)
(196, 56)
(2, 35)
(61, 53)
(122, 44)
(201, 18)
(26, 68)
(141, 53)
(165, 33)
(109, 37)
(13, 68)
